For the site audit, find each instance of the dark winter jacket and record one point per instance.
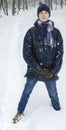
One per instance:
(39, 55)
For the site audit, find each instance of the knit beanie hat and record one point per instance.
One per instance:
(43, 7)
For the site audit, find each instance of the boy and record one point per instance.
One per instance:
(43, 53)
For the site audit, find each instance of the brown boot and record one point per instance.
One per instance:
(17, 117)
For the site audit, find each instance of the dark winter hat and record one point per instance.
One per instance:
(43, 7)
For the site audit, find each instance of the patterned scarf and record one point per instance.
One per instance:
(49, 34)
(48, 40)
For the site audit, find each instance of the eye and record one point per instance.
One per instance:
(46, 12)
(41, 12)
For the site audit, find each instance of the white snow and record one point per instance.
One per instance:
(39, 114)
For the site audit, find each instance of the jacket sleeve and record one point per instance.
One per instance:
(28, 53)
(59, 54)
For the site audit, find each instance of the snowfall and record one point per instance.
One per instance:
(39, 114)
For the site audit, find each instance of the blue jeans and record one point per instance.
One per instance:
(52, 91)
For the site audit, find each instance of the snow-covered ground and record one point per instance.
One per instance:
(39, 115)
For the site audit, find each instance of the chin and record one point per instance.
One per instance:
(44, 20)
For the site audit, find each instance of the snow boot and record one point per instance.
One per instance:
(17, 117)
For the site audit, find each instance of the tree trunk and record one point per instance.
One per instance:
(13, 7)
(23, 5)
(51, 4)
(56, 4)
(61, 3)
(65, 2)
(19, 4)
(0, 4)
(26, 4)
(6, 7)
(4, 4)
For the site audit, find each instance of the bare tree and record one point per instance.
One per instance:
(4, 5)
(65, 2)
(61, 3)
(26, 4)
(39, 1)
(16, 5)
(0, 4)
(23, 5)
(56, 4)
(34, 3)
(13, 7)
(51, 4)
(46, 1)
(19, 4)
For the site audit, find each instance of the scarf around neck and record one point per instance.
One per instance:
(48, 40)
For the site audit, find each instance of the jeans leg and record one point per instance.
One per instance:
(26, 93)
(52, 91)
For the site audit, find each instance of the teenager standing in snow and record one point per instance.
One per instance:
(43, 53)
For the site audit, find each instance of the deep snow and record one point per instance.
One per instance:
(39, 115)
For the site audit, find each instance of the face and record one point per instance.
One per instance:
(43, 16)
